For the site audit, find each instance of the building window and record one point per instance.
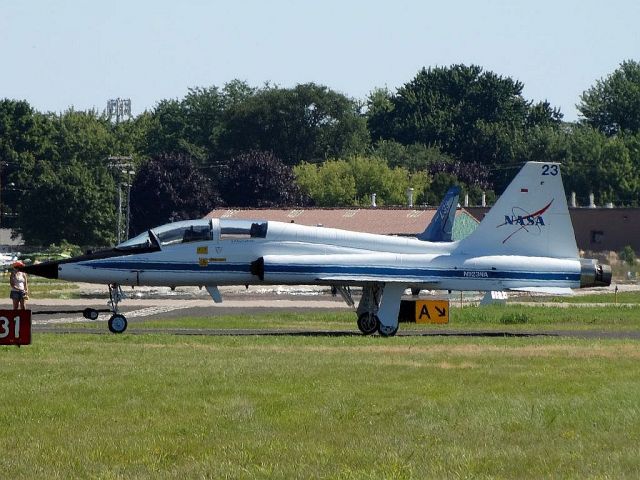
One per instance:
(596, 236)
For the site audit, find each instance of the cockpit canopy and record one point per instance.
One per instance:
(196, 231)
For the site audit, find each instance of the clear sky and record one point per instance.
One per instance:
(62, 53)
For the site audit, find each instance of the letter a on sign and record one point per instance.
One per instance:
(432, 311)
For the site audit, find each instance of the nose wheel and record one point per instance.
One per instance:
(117, 323)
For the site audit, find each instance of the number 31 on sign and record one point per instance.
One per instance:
(15, 327)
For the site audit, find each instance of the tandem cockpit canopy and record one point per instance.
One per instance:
(196, 231)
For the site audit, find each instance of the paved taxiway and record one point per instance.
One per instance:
(139, 309)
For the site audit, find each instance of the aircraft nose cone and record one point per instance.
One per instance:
(46, 269)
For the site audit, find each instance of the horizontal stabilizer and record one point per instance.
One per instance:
(547, 290)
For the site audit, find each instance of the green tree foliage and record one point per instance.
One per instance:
(628, 256)
(68, 203)
(413, 157)
(473, 178)
(169, 188)
(260, 179)
(608, 167)
(81, 136)
(351, 182)
(59, 187)
(23, 138)
(308, 122)
(473, 115)
(192, 125)
(328, 184)
(612, 105)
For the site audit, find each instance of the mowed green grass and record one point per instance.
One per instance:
(515, 318)
(599, 297)
(41, 288)
(163, 406)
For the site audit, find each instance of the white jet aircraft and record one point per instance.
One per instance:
(525, 243)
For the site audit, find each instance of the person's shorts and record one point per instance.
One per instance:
(16, 295)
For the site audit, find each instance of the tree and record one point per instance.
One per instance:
(473, 178)
(24, 136)
(351, 182)
(308, 122)
(612, 105)
(260, 179)
(329, 184)
(628, 256)
(68, 203)
(169, 188)
(192, 125)
(472, 115)
(413, 157)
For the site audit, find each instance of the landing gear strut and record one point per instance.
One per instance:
(378, 309)
(117, 322)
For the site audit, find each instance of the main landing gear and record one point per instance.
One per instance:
(368, 323)
(118, 322)
(371, 309)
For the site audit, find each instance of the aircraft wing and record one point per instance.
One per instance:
(547, 290)
(370, 279)
(347, 269)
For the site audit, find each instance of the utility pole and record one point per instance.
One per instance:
(123, 166)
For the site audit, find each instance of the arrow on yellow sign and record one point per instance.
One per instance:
(432, 311)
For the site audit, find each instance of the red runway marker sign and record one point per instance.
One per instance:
(15, 327)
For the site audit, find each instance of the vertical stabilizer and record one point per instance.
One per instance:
(530, 218)
(441, 227)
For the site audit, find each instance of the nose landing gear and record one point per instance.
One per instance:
(118, 322)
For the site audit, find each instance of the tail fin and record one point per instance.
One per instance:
(530, 218)
(441, 227)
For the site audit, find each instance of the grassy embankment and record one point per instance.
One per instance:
(158, 406)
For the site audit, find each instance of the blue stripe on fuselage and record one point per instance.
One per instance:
(429, 273)
(364, 270)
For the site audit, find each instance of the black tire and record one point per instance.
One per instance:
(368, 324)
(117, 323)
(90, 313)
(385, 333)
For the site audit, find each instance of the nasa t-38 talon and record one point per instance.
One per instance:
(525, 242)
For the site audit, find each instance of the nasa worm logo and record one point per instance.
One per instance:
(522, 220)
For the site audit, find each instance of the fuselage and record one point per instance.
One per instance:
(245, 253)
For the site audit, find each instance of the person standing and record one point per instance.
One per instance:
(19, 286)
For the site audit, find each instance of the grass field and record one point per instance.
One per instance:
(620, 298)
(514, 318)
(41, 287)
(163, 406)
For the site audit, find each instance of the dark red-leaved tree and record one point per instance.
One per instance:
(260, 179)
(169, 188)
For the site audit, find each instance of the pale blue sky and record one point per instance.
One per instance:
(62, 53)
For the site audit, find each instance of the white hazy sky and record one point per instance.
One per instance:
(62, 53)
